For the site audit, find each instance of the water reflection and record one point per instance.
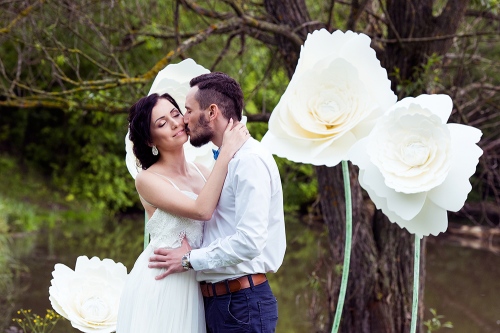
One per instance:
(462, 284)
(123, 242)
(11, 274)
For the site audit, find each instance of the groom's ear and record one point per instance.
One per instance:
(213, 112)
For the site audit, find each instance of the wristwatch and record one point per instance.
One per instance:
(185, 261)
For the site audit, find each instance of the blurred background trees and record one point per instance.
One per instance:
(69, 70)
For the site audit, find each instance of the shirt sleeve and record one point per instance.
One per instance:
(251, 181)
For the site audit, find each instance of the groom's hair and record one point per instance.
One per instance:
(139, 119)
(220, 89)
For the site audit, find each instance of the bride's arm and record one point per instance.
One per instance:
(164, 196)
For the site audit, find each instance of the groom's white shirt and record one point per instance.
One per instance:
(246, 234)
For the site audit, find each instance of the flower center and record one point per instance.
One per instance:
(415, 154)
(329, 112)
(94, 309)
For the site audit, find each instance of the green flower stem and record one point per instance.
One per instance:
(416, 285)
(146, 235)
(347, 249)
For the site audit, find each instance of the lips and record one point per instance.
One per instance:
(181, 131)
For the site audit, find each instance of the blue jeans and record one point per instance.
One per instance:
(252, 310)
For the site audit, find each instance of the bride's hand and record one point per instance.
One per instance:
(234, 138)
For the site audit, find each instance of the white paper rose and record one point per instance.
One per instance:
(337, 92)
(131, 161)
(174, 80)
(415, 167)
(88, 296)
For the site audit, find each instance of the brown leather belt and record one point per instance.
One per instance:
(231, 286)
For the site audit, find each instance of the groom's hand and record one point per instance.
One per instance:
(170, 259)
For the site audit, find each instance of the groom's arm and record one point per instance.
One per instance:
(252, 188)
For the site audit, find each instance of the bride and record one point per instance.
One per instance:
(177, 196)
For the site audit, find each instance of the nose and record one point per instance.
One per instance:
(186, 118)
(175, 123)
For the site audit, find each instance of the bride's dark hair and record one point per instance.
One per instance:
(139, 118)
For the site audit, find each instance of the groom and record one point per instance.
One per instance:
(246, 236)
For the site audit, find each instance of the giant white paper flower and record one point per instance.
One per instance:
(415, 167)
(88, 296)
(337, 92)
(174, 80)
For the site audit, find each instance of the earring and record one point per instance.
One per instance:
(155, 150)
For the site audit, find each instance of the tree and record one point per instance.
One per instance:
(92, 57)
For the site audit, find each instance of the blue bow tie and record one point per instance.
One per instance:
(216, 153)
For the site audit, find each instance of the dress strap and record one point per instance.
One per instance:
(171, 182)
(199, 171)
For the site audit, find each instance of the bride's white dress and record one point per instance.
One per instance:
(173, 304)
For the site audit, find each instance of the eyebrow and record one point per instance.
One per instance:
(173, 109)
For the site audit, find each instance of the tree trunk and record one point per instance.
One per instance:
(294, 14)
(413, 19)
(379, 292)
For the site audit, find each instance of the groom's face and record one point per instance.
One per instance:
(197, 122)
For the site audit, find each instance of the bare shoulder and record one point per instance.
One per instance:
(144, 179)
(141, 177)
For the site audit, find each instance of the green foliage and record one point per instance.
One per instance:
(434, 324)
(33, 323)
(84, 152)
(425, 78)
(488, 5)
(29, 202)
(95, 162)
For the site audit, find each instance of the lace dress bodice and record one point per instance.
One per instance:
(167, 230)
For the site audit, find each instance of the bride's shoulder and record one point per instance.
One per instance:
(143, 177)
(203, 169)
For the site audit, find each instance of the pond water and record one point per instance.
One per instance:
(462, 284)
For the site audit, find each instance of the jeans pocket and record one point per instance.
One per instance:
(235, 313)
(239, 308)
(268, 315)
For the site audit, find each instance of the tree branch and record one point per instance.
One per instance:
(274, 28)
(193, 6)
(19, 17)
(434, 38)
(483, 14)
(235, 6)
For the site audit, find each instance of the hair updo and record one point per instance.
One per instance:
(139, 118)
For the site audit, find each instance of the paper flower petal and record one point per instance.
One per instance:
(88, 296)
(337, 92)
(440, 104)
(452, 194)
(130, 159)
(414, 166)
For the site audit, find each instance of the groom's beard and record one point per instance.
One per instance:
(203, 133)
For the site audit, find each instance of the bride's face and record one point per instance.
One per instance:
(167, 126)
